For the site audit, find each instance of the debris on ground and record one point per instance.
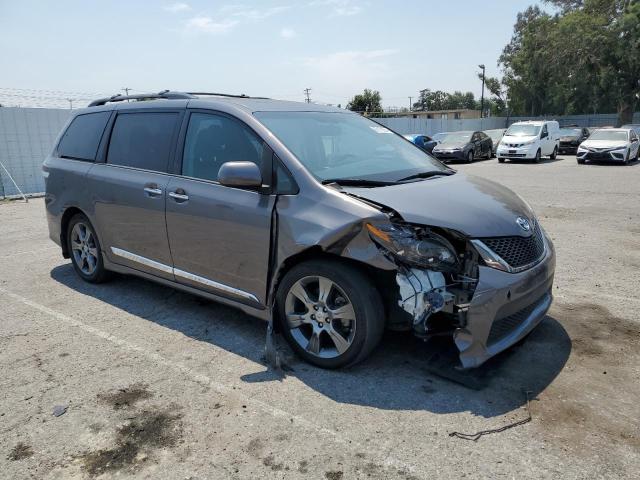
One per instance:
(20, 452)
(60, 410)
(476, 436)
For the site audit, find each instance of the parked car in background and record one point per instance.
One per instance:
(633, 126)
(530, 140)
(571, 137)
(314, 216)
(423, 141)
(495, 135)
(466, 146)
(610, 144)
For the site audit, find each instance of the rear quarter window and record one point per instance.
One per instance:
(81, 139)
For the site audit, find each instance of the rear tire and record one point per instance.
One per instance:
(85, 250)
(554, 155)
(317, 326)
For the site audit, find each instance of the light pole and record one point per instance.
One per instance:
(410, 104)
(482, 97)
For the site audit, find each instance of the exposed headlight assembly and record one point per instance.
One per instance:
(432, 252)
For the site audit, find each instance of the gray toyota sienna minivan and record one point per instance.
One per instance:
(319, 218)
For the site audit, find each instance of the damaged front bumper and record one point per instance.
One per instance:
(503, 308)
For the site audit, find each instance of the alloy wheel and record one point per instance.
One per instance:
(84, 248)
(320, 316)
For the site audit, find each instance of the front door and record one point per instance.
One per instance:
(219, 236)
(547, 144)
(129, 191)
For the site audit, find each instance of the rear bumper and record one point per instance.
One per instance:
(505, 308)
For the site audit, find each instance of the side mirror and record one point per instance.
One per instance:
(240, 174)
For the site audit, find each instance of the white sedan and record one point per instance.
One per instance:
(617, 144)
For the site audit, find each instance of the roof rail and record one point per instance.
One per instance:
(211, 94)
(166, 94)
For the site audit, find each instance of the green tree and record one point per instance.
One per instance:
(368, 101)
(429, 100)
(497, 95)
(584, 59)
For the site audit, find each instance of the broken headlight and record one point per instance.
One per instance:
(431, 252)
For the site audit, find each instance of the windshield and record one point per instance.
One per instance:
(457, 137)
(523, 130)
(616, 135)
(348, 146)
(570, 132)
(438, 137)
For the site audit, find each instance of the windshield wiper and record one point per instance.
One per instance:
(357, 182)
(432, 173)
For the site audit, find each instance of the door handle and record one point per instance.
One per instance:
(179, 197)
(153, 191)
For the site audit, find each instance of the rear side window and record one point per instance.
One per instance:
(142, 140)
(81, 139)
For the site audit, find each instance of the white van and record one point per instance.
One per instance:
(530, 141)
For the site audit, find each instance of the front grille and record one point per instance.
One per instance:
(504, 326)
(518, 251)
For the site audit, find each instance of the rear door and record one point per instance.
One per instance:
(129, 190)
(220, 236)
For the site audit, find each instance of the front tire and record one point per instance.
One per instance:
(470, 157)
(330, 313)
(84, 247)
(501, 160)
(537, 157)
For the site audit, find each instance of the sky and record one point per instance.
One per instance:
(51, 51)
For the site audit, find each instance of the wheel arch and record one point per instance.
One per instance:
(68, 214)
(383, 280)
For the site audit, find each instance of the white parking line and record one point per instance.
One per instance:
(37, 250)
(206, 380)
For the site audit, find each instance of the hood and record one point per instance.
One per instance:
(470, 205)
(569, 138)
(604, 144)
(448, 145)
(518, 138)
